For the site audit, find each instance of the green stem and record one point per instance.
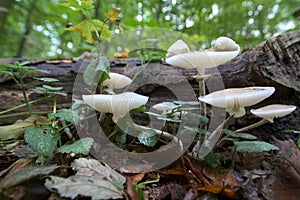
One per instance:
(24, 94)
(22, 105)
(22, 113)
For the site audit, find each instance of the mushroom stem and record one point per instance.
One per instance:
(162, 133)
(252, 126)
(210, 141)
(202, 92)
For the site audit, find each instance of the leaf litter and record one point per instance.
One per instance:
(92, 179)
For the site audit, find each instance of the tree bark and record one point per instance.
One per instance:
(275, 62)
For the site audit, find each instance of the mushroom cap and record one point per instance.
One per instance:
(236, 99)
(116, 81)
(164, 106)
(225, 44)
(119, 104)
(201, 59)
(177, 47)
(274, 110)
(226, 49)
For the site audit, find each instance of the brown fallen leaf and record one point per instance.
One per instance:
(285, 180)
(216, 189)
(130, 191)
(123, 54)
(178, 171)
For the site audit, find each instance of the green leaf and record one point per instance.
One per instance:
(96, 70)
(87, 4)
(148, 137)
(48, 87)
(20, 176)
(88, 29)
(80, 146)
(197, 130)
(46, 79)
(68, 115)
(197, 118)
(41, 140)
(239, 135)
(79, 5)
(212, 159)
(254, 146)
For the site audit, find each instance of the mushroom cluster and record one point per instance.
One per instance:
(223, 50)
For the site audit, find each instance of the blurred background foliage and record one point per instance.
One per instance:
(36, 28)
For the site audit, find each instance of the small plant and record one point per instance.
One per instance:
(18, 72)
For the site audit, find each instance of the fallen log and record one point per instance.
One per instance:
(275, 62)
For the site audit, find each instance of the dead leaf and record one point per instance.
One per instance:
(113, 16)
(25, 174)
(178, 171)
(215, 189)
(19, 164)
(122, 55)
(92, 179)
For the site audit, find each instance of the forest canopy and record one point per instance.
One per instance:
(38, 29)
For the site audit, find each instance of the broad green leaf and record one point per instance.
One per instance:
(68, 115)
(148, 137)
(81, 146)
(92, 179)
(96, 70)
(41, 140)
(88, 29)
(254, 146)
(239, 135)
(25, 174)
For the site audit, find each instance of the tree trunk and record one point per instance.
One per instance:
(274, 62)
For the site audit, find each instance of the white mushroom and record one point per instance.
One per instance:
(271, 111)
(167, 107)
(116, 81)
(177, 47)
(119, 104)
(236, 99)
(225, 44)
(268, 113)
(201, 60)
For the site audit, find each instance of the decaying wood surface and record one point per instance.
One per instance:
(275, 62)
